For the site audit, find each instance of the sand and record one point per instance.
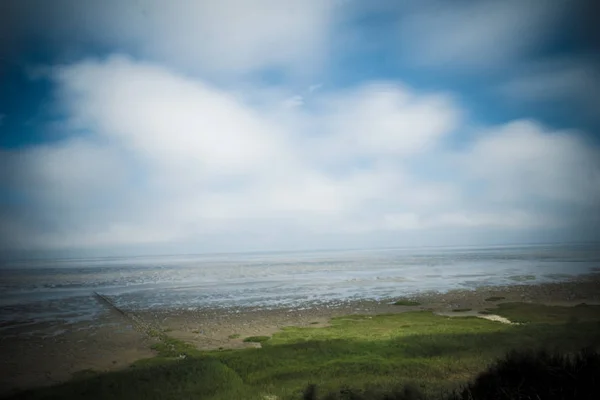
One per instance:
(53, 353)
(44, 355)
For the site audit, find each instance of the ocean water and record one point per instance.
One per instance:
(61, 290)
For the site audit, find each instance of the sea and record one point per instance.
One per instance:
(61, 290)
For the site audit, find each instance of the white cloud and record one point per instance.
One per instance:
(386, 119)
(168, 120)
(168, 158)
(522, 161)
(466, 219)
(226, 36)
(513, 219)
(484, 33)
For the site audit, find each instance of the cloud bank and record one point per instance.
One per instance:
(180, 138)
(164, 158)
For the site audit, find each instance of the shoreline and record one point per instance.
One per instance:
(111, 343)
(209, 329)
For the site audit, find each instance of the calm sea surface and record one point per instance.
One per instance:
(60, 290)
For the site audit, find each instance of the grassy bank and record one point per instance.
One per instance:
(434, 353)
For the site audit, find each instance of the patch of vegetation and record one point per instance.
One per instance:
(404, 302)
(366, 355)
(485, 312)
(167, 330)
(314, 323)
(154, 362)
(171, 347)
(256, 339)
(196, 331)
(519, 375)
(537, 375)
(154, 333)
(462, 309)
(187, 379)
(538, 313)
(234, 336)
(402, 392)
(495, 298)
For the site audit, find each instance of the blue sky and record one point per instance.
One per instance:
(152, 126)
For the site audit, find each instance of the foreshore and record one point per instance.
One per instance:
(32, 359)
(213, 328)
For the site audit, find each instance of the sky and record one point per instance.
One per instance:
(182, 126)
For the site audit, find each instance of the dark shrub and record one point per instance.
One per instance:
(538, 375)
(408, 392)
(256, 339)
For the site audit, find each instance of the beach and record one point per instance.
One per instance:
(111, 341)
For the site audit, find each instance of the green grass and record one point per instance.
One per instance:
(234, 336)
(256, 339)
(170, 347)
(462, 309)
(495, 298)
(541, 314)
(438, 353)
(518, 375)
(409, 303)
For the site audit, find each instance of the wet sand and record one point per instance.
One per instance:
(53, 353)
(41, 355)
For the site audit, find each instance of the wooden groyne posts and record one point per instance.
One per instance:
(136, 321)
(147, 329)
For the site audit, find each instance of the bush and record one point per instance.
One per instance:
(256, 339)
(495, 298)
(537, 375)
(407, 392)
